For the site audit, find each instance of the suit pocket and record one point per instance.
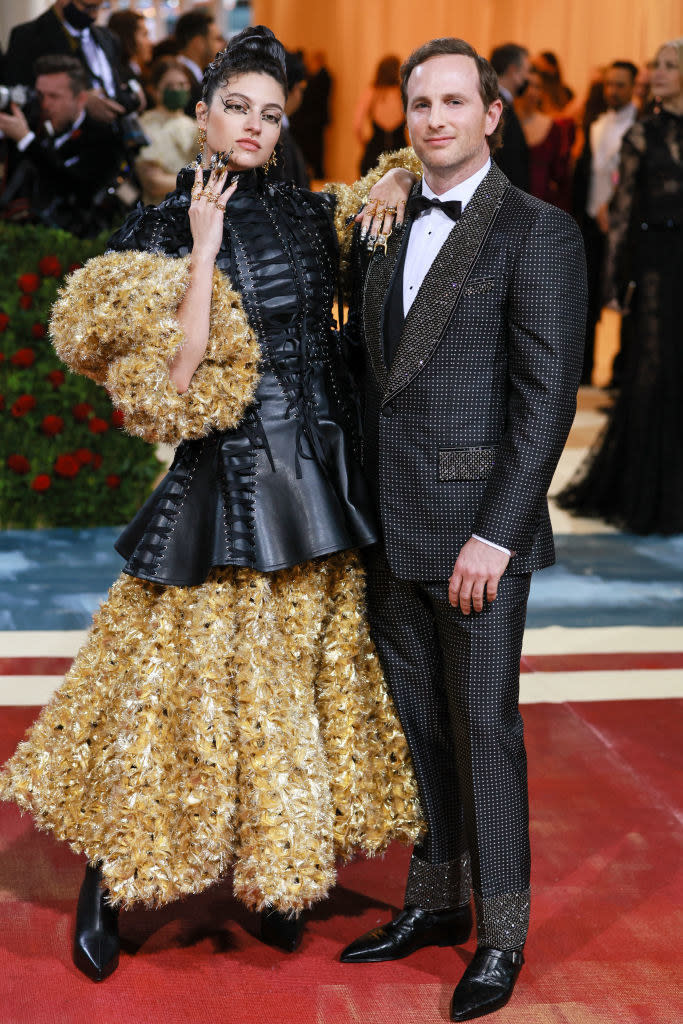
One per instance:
(466, 463)
(479, 286)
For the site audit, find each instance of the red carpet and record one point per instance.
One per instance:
(604, 946)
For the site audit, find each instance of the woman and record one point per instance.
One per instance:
(549, 165)
(227, 709)
(172, 134)
(379, 123)
(634, 476)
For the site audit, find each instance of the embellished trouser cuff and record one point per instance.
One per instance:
(439, 886)
(502, 921)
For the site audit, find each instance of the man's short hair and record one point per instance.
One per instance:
(60, 64)
(506, 56)
(625, 65)
(192, 24)
(450, 46)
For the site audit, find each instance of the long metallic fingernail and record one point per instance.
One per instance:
(198, 159)
(372, 241)
(363, 234)
(398, 226)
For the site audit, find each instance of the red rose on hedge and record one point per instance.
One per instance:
(74, 266)
(41, 482)
(23, 357)
(52, 425)
(112, 480)
(4, 321)
(97, 461)
(29, 283)
(18, 464)
(97, 425)
(117, 418)
(50, 266)
(82, 411)
(2, 401)
(67, 466)
(23, 405)
(56, 378)
(25, 301)
(38, 331)
(84, 456)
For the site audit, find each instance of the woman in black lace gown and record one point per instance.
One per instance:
(634, 476)
(227, 710)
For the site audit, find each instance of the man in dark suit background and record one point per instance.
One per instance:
(70, 29)
(511, 64)
(473, 324)
(59, 174)
(198, 40)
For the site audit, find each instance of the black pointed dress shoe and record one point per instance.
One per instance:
(487, 983)
(96, 943)
(277, 929)
(412, 929)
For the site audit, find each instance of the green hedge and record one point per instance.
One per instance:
(64, 461)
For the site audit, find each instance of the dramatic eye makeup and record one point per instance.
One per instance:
(235, 103)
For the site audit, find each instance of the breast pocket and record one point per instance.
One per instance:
(479, 286)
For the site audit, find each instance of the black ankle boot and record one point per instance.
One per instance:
(96, 943)
(279, 930)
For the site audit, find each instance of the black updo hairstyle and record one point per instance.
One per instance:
(253, 49)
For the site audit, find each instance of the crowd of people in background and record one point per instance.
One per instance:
(95, 119)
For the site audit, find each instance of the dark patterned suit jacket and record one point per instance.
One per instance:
(464, 431)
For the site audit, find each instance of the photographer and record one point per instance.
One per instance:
(60, 173)
(70, 29)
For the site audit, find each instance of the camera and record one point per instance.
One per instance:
(22, 95)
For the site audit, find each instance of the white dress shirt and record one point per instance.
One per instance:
(427, 235)
(606, 134)
(95, 57)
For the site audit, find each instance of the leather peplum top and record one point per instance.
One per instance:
(285, 485)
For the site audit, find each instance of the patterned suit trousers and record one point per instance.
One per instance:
(455, 683)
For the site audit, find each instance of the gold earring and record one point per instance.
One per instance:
(201, 138)
(271, 161)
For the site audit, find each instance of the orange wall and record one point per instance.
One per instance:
(355, 35)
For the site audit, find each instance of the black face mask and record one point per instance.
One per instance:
(77, 18)
(523, 88)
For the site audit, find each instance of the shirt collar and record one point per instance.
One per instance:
(464, 191)
(194, 68)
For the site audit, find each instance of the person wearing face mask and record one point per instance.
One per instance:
(70, 29)
(172, 134)
(227, 710)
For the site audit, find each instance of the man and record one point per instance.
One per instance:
(198, 40)
(56, 175)
(290, 165)
(511, 64)
(594, 184)
(473, 329)
(70, 29)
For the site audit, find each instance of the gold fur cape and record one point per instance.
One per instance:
(115, 321)
(242, 723)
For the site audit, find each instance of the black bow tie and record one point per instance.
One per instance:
(419, 204)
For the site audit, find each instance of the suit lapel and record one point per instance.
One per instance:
(379, 279)
(442, 287)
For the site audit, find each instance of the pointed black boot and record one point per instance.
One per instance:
(277, 929)
(96, 943)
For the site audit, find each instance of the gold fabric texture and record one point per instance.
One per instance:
(242, 723)
(115, 321)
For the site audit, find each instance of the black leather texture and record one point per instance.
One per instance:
(285, 485)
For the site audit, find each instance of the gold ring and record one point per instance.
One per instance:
(390, 209)
(196, 192)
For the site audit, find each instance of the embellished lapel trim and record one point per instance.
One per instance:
(442, 287)
(379, 280)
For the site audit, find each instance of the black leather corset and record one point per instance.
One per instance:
(285, 486)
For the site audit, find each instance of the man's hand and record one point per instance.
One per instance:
(479, 567)
(101, 108)
(14, 125)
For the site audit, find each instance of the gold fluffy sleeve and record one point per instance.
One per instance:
(115, 321)
(350, 198)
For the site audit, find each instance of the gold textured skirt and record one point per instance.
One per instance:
(240, 724)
